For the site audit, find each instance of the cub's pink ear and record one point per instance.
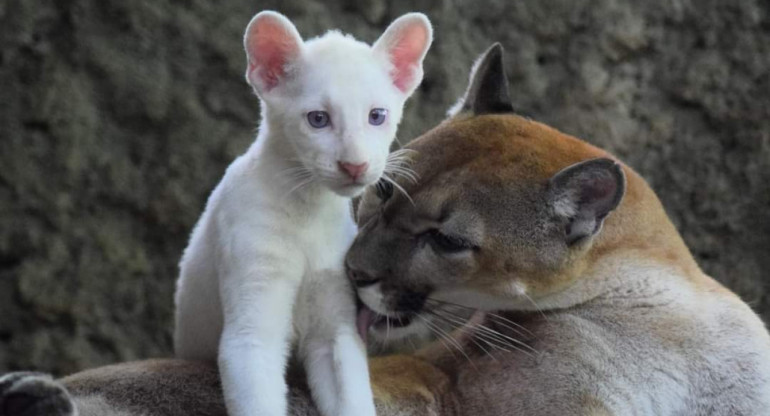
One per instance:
(405, 43)
(272, 45)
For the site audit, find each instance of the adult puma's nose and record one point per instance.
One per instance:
(353, 170)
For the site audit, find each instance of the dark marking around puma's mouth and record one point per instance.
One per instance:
(382, 321)
(368, 319)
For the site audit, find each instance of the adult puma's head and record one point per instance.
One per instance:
(507, 213)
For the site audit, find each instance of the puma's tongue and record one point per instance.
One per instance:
(364, 320)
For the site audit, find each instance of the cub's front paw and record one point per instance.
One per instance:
(364, 408)
(33, 394)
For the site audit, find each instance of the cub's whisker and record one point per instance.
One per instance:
(398, 163)
(397, 186)
(299, 186)
(296, 172)
(408, 174)
(401, 152)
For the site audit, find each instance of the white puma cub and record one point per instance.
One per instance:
(264, 267)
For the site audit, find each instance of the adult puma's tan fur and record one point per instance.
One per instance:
(508, 214)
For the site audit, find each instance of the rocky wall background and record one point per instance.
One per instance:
(117, 118)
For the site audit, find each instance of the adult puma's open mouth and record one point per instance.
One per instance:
(368, 318)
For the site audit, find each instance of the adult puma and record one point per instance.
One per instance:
(599, 307)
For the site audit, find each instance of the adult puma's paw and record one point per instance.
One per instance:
(33, 394)
(406, 384)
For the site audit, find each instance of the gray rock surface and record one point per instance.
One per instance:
(117, 118)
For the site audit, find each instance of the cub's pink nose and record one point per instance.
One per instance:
(354, 171)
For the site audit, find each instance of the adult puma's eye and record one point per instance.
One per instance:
(377, 116)
(384, 189)
(448, 243)
(318, 119)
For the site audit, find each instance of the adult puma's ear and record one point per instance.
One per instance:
(487, 91)
(584, 194)
(272, 45)
(404, 44)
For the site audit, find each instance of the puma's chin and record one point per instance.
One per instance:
(376, 322)
(391, 331)
(400, 337)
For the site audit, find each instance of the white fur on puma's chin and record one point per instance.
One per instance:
(386, 337)
(466, 298)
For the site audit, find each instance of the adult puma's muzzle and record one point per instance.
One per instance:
(388, 305)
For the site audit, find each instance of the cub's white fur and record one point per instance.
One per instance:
(264, 266)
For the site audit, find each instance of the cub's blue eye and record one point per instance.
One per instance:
(318, 119)
(377, 116)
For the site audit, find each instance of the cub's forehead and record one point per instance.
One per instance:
(339, 60)
(334, 42)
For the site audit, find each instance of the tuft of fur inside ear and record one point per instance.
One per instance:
(272, 45)
(404, 44)
(584, 194)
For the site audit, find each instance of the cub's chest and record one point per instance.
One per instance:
(326, 241)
